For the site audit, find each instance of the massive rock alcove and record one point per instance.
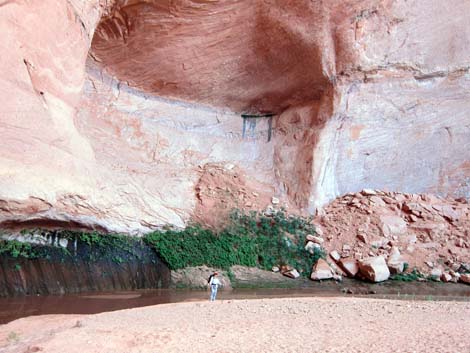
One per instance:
(125, 115)
(240, 55)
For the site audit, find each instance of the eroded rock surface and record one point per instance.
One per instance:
(114, 111)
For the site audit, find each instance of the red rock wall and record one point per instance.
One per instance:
(368, 94)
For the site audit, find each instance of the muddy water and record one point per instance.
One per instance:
(97, 302)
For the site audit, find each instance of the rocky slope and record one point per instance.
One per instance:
(428, 233)
(113, 111)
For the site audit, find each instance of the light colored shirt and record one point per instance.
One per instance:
(215, 281)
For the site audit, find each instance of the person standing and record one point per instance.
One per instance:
(214, 283)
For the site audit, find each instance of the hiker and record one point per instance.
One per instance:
(214, 283)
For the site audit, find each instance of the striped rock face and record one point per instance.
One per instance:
(114, 113)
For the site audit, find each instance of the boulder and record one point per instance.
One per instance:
(436, 273)
(321, 270)
(377, 201)
(379, 243)
(393, 225)
(446, 277)
(374, 269)
(311, 246)
(286, 268)
(318, 240)
(335, 255)
(349, 266)
(336, 269)
(315, 239)
(455, 276)
(396, 267)
(465, 278)
(395, 262)
(292, 274)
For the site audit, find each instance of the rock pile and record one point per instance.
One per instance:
(374, 234)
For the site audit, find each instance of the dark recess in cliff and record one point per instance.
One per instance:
(83, 268)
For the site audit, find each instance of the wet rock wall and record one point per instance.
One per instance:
(58, 265)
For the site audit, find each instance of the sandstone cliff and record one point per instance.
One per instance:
(114, 112)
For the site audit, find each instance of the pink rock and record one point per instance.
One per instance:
(464, 278)
(377, 201)
(321, 270)
(393, 225)
(374, 269)
(395, 262)
(335, 255)
(368, 192)
(400, 198)
(436, 272)
(311, 246)
(349, 266)
(318, 230)
(446, 277)
(292, 274)
(315, 239)
(76, 149)
(362, 237)
(389, 200)
(336, 269)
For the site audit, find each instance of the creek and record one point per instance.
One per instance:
(96, 302)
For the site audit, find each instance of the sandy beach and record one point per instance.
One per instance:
(264, 325)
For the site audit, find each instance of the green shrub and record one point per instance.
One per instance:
(17, 249)
(253, 240)
(408, 277)
(116, 247)
(249, 240)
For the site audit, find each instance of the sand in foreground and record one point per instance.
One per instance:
(265, 325)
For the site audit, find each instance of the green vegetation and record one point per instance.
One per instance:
(17, 249)
(412, 276)
(249, 240)
(116, 247)
(253, 240)
(88, 246)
